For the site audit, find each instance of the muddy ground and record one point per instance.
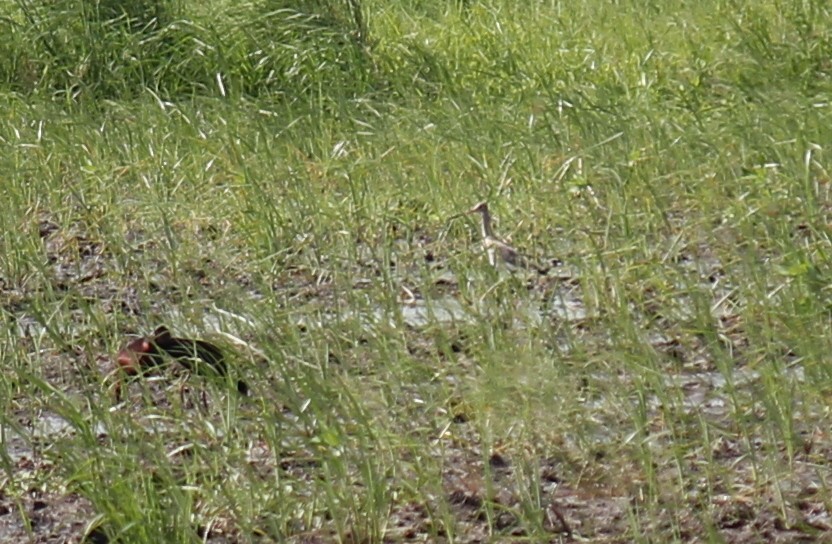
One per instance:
(715, 494)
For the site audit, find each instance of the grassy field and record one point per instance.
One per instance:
(284, 178)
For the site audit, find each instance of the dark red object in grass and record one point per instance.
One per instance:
(142, 354)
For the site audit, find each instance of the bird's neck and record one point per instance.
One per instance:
(486, 225)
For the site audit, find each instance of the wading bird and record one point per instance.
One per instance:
(500, 254)
(147, 352)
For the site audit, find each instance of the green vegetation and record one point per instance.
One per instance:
(281, 177)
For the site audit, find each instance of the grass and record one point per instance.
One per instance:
(281, 181)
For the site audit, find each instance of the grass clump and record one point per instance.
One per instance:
(116, 50)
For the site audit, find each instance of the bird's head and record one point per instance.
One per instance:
(481, 207)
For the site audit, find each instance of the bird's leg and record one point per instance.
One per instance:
(182, 390)
(117, 390)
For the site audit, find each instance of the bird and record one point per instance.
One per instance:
(500, 254)
(142, 354)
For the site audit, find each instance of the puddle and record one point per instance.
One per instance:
(566, 304)
(706, 391)
(23, 441)
(421, 313)
(14, 445)
(214, 320)
(17, 442)
(27, 327)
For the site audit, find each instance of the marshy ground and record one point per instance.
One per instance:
(667, 380)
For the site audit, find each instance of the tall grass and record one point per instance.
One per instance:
(108, 49)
